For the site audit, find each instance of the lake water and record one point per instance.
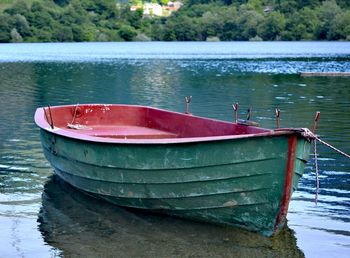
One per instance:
(40, 216)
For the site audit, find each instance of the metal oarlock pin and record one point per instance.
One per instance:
(75, 113)
(278, 113)
(235, 108)
(316, 120)
(188, 101)
(249, 112)
(47, 118)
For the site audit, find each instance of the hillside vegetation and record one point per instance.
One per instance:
(107, 20)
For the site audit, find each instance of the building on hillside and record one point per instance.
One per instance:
(152, 9)
(173, 6)
(268, 9)
(133, 8)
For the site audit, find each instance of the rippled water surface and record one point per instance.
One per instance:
(40, 216)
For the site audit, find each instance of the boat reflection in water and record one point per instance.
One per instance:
(77, 224)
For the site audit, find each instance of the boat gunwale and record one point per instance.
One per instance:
(40, 120)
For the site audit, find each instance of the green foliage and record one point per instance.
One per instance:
(302, 25)
(328, 12)
(163, 2)
(19, 7)
(84, 33)
(61, 2)
(135, 18)
(105, 20)
(255, 5)
(5, 27)
(248, 23)
(127, 32)
(15, 36)
(63, 34)
(272, 27)
(21, 25)
(258, 19)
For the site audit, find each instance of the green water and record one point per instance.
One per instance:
(42, 217)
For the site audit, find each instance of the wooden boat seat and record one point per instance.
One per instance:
(123, 132)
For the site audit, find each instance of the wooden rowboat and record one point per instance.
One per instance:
(179, 164)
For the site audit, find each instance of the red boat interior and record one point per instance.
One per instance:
(138, 122)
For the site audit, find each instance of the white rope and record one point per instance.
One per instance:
(316, 172)
(332, 147)
(310, 135)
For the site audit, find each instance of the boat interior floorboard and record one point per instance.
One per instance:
(124, 132)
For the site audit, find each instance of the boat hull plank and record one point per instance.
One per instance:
(244, 188)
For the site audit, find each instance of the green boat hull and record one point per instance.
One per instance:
(237, 182)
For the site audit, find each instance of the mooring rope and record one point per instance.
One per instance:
(316, 172)
(332, 147)
(310, 135)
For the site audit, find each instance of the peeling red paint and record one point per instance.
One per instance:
(288, 181)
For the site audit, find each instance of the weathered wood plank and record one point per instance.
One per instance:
(326, 74)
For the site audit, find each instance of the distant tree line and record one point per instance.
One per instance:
(257, 20)
(107, 20)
